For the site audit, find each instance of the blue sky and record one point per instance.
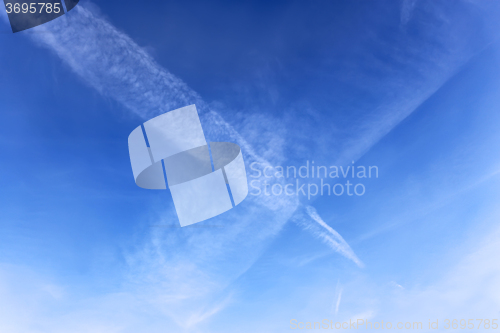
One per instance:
(408, 86)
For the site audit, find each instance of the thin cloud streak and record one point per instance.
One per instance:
(113, 64)
(331, 237)
(407, 8)
(339, 291)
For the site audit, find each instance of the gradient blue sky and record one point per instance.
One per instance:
(409, 86)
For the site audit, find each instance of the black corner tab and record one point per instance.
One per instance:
(70, 4)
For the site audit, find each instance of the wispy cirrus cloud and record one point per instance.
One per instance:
(329, 236)
(406, 10)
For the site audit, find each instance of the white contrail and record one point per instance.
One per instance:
(337, 303)
(113, 64)
(331, 237)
